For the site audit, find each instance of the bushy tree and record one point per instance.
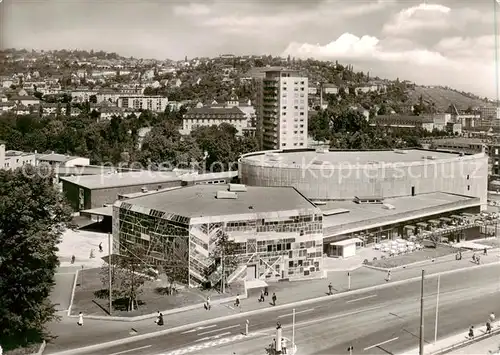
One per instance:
(33, 216)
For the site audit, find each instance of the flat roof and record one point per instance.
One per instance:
(210, 176)
(120, 179)
(201, 201)
(407, 205)
(306, 158)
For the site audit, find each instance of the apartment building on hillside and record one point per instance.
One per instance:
(282, 109)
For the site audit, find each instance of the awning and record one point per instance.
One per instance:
(347, 242)
(422, 224)
(434, 221)
(456, 216)
(410, 227)
(446, 219)
(101, 211)
(468, 215)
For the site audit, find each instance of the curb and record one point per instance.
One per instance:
(459, 344)
(73, 293)
(167, 312)
(416, 263)
(135, 338)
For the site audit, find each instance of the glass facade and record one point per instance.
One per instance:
(276, 248)
(165, 235)
(271, 248)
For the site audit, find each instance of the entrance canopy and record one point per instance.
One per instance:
(345, 242)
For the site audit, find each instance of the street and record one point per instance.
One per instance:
(365, 320)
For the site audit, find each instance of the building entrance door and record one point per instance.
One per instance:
(251, 272)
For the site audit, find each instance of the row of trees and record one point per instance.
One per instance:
(117, 140)
(349, 129)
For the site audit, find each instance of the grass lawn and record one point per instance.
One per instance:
(416, 256)
(150, 299)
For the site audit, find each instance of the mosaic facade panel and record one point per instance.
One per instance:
(166, 237)
(278, 248)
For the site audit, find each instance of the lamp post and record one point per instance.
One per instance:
(421, 345)
(293, 329)
(437, 310)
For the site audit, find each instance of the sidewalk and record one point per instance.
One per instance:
(487, 346)
(99, 331)
(479, 347)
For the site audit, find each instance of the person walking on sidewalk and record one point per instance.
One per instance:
(274, 298)
(80, 319)
(283, 345)
(388, 278)
(261, 299)
(237, 301)
(208, 306)
(471, 332)
(488, 327)
(330, 287)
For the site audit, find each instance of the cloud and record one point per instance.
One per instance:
(349, 46)
(423, 16)
(252, 22)
(193, 9)
(434, 17)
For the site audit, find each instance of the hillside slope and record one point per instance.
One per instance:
(443, 97)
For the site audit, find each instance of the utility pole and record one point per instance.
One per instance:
(421, 347)
(110, 276)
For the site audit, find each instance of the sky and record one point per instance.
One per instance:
(446, 42)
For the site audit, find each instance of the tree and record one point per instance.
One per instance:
(93, 99)
(130, 270)
(224, 255)
(33, 216)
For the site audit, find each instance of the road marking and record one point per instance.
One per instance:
(382, 343)
(199, 328)
(360, 299)
(130, 350)
(218, 330)
(338, 316)
(214, 337)
(291, 314)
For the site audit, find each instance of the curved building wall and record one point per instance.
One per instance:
(463, 175)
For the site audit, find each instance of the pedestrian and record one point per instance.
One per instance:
(237, 300)
(274, 298)
(388, 276)
(157, 317)
(488, 327)
(160, 319)
(100, 247)
(283, 345)
(261, 299)
(471, 332)
(485, 251)
(80, 319)
(330, 287)
(492, 317)
(73, 259)
(273, 345)
(209, 306)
